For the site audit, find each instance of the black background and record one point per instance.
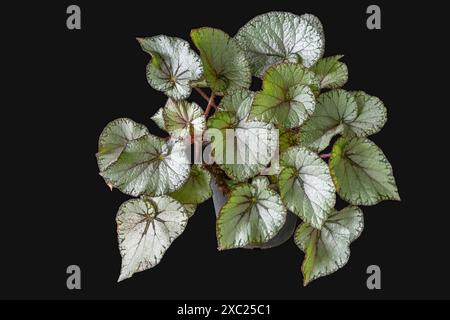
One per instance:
(58, 211)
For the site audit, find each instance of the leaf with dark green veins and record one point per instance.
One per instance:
(149, 165)
(252, 216)
(361, 173)
(225, 65)
(276, 37)
(183, 119)
(197, 187)
(174, 65)
(372, 115)
(334, 109)
(286, 98)
(146, 228)
(331, 72)
(328, 249)
(115, 137)
(305, 185)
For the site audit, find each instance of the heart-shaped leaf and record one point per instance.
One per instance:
(334, 109)
(286, 98)
(226, 67)
(149, 165)
(197, 187)
(252, 216)
(146, 228)
(277, 37)
(115, 137)
(183, 119)
(173, 65)
(331, 72)
(372, 115)
(361, 173)
(328, 249)
(244, 148)
(306, 186)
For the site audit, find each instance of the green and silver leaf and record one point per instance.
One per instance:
(146, 228)
(326, 250)
(361, 173)
(197, 187)
(149, 165)
(331, 72)
(183, 119)
(287, 98)
(351, 218)
(277, 37)
(306, 186)
(114, 139)
(159, 119)
(226, 67)
(372, 115)
(334, 109)
(244, 148)
(239, 102)
(253, 215)
(174, 65)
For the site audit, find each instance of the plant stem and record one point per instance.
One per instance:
(210, 104)
(325, 155)
(205, 96)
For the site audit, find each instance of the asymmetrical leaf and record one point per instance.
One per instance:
(361, 173)
(331, 72)
(286, 98)
(243, 148)
(115, 137)
(239, 102)
(197, 187)
(183, 119)
(372, 115)
(334, 109)
(306, 186)
(225, 65)
(159, 119)
(149, 165)
(277, 37)
(146, 228)
(173, 65)
(328, 249)
(252, 216)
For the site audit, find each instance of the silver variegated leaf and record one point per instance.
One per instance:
(159, 119)
(149, 165)
(146, 228)
(331, 72)
(276, 37)
(114, 139)
(306, 186)
(183, 119)
(173, 65)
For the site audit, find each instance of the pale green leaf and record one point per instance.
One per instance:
(326, 250)
(239, 102)
(114, 138)
(159, 120)
(253, 215)
(173, 65)
(225, 65)
(197, 187)
(350, 217)
(286, 98)
(372, 115)
(276, 37)
(334, 109)
(183, 119)
(306, 186)
(146, 228)
(149, 165)
(361, 173)
(331, 72)
(190, 208)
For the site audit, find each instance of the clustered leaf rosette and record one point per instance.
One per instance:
(301, 97)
